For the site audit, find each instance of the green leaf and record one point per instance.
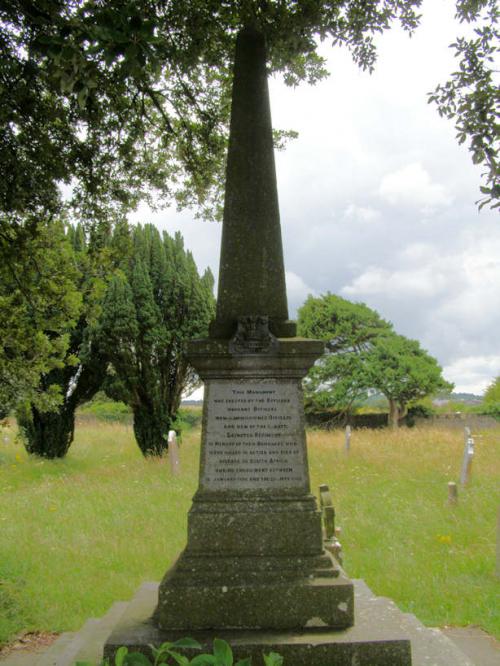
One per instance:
(244, 662)
(204, 660)
(136, 659)
(223, 652)
(121, 653)
(187, 643)
(82, 97)
(273, 659)
(180, 659)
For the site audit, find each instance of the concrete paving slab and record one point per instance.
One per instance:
(482, 648)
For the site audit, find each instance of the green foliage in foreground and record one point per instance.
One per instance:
(222, 655)
(80, 533)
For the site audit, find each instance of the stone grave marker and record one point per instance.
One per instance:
(466, 471)
(173, 452)
(347, 438)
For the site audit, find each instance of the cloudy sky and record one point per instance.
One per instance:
(377, 202)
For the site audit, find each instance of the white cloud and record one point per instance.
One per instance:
(411, 185)
(469, 374)
(423, 282)
(362, 213)
(297, 291)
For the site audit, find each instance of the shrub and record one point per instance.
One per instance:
(222, 655)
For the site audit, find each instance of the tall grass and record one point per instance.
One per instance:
(398, 531)
(80, 533)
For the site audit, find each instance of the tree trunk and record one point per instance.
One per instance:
(151, 431)
(393, 414)
(48, 434)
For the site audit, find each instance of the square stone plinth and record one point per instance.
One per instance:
(192, 600)
(376, 639)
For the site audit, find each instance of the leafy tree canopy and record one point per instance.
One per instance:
(400, 369)
(344, 326)
(364, 353)
(48, 427)
(120, 98)
(39, 305)
(492, 393)
(349, 331)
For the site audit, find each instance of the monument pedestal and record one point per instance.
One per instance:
(254, 556)
(379, 637)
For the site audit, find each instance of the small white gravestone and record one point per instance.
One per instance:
(466, 471)
(347, 438)
(173, 452)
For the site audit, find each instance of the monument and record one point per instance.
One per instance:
(254, 570)
(254, 556)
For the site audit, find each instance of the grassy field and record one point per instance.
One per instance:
(80, 533)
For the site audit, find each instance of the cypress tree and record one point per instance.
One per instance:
(49, 433)
(149, 312)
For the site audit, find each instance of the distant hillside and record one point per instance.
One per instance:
(467, 398)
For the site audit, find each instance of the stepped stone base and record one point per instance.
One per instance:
(374, 640)
(382, 636)
(192, 599)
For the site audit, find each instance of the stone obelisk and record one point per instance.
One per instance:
(254, 570)
(254, 556)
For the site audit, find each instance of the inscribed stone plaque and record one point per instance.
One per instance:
(254, 436)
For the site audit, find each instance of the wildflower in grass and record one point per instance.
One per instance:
(444, 538)
(18, 458)
(52, 508)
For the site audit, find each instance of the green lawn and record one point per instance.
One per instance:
(78, 534)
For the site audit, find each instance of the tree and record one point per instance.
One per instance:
(349, 331)
(363, 352)
(48, 430)
(491, 399)
(121, 97)
(39, 305)
(149, 312)
(492, 393)
(470, 97)
(400, 369)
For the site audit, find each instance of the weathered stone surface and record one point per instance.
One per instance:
(376, 639)
(254, 556)
(251, 275)
(253, 438)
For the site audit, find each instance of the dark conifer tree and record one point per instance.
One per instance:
(149, 312)
(49, 432)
